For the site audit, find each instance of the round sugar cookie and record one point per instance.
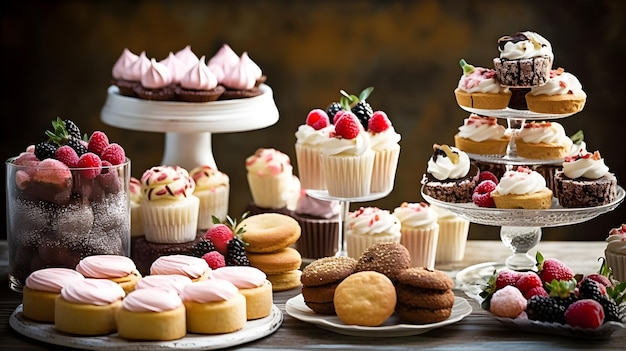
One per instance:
(279, 261)
(365, 298)
(267, 232)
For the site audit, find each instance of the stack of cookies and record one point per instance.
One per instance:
(268, 237)
(424, 295)
(320, 280)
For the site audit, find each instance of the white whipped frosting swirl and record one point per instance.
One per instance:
(385, 140)
(520, 181)
(93, 291)
(443, 168)
(52, 279)
(342, 146)
(524, 45)
(560, 83)
(616, 241)
(544, 132)
(151, 300)
(372, 221)
(481, 80)
(415, 215)
(478, 128)
(309, 136)
(585, 165)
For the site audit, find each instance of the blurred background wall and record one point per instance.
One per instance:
(57, 59)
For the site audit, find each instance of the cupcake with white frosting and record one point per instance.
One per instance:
(213, 190)
(420, 232)
(482, 135)
(450, 176)
(615, 252)
(369, 225)
(561, 94)
(270, 178)
(542, 140)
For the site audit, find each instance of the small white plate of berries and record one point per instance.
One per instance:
(555, 300)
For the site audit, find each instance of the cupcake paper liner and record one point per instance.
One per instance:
(422, 245)
(213, 202)
(136, 221)
(170, 222)
(348, 176)
(309, 168)
(270, 191)
(384, 169)
(617, 262)
(452, 239)
(356, 243)
(319, 237)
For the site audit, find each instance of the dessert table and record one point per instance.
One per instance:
(477, 331)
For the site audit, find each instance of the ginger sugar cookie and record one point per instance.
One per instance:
(365, 298)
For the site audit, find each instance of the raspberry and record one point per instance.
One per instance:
(347, 126)
(214, 259)
(600, 279)
(339, 114)
(114, 153)
(98, 141)
(482, 194)
(506, 277)
(585, 313)
(487, 175)
(220, 234)
(551, 268)
(108, 179)
(67, 155)
(317, 119)
(379, 122)
(528, 281)
(91, 163)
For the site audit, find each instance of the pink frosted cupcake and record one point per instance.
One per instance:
(420, 232)
(41, 289)
(347, 158)
(369, 225)
(308, 139)
(386, 152)
(213, 190)
(122, 72)
(319, 223)
(253, 285)
(173, 282)
(118, 269)
(199, 84)
(156, 83)
(242, 79)
(195, 268)
(223, 60)
(615, 252)
(270, 177)
(168, 206)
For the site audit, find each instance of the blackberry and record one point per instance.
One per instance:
(44, 150)
(77, 145)
(590, 289)
(566, 302)
(72, 129)
(236, 253)
(611, 310)
(363, 112)
(545, 309)
(201, 247)
(332, 110)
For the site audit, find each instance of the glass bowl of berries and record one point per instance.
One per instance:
(67, 198)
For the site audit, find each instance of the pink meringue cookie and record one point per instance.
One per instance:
(123, 64)
(177, 68)
(223, 60)
(199, 77)
(156, 76)
(137, 68)
(186, 56)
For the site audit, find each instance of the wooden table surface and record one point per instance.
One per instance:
(478, 331)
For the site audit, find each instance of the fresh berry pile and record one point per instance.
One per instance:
(482, 193)
(223, 246)
(554, 293)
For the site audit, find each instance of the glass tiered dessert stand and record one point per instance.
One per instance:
(188, 126)
(520, 229)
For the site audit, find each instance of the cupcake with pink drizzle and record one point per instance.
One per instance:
(213, 190)
(156, 83)
(309, 136)
(242, 80)
(253, 285)
(319, 223)
(152, 314)
(41, 289)
(420, 232)
(479, 88)
(199, 84)
(385, 144)
(168, 206)
(121, 72)
(118, 269)
(270, 177)
(369, 225)
(615, 252)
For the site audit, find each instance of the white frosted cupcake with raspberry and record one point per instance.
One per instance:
(615, 252)
(168, 206)
(347, 158)
(369, 225)
(561, 94)
(386, 147)
(309, 136)
(270, 177)
(542, 140)
(482, 135)
(522, 188)
(213, 190)
(420, 232)
(478, 88)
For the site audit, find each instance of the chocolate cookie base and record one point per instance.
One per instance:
(452, 190)
(530, 72)
(585, 192)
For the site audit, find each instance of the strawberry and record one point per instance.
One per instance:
(91, 163)
(317, 119)
(506, 277)
(114, 153)
(220, 234)
(552, 268)
(214, 259)
(482, 194)
(536, 291)
(528, 281)
(379, 122)
(67, 155)
(487, 175)
(585, 313)
(347, 126)
(98, 141)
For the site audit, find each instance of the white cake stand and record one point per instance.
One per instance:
(188, 126)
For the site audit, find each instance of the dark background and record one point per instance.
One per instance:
(57, 59)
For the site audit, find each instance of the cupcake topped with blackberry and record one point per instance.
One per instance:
(525, 60)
